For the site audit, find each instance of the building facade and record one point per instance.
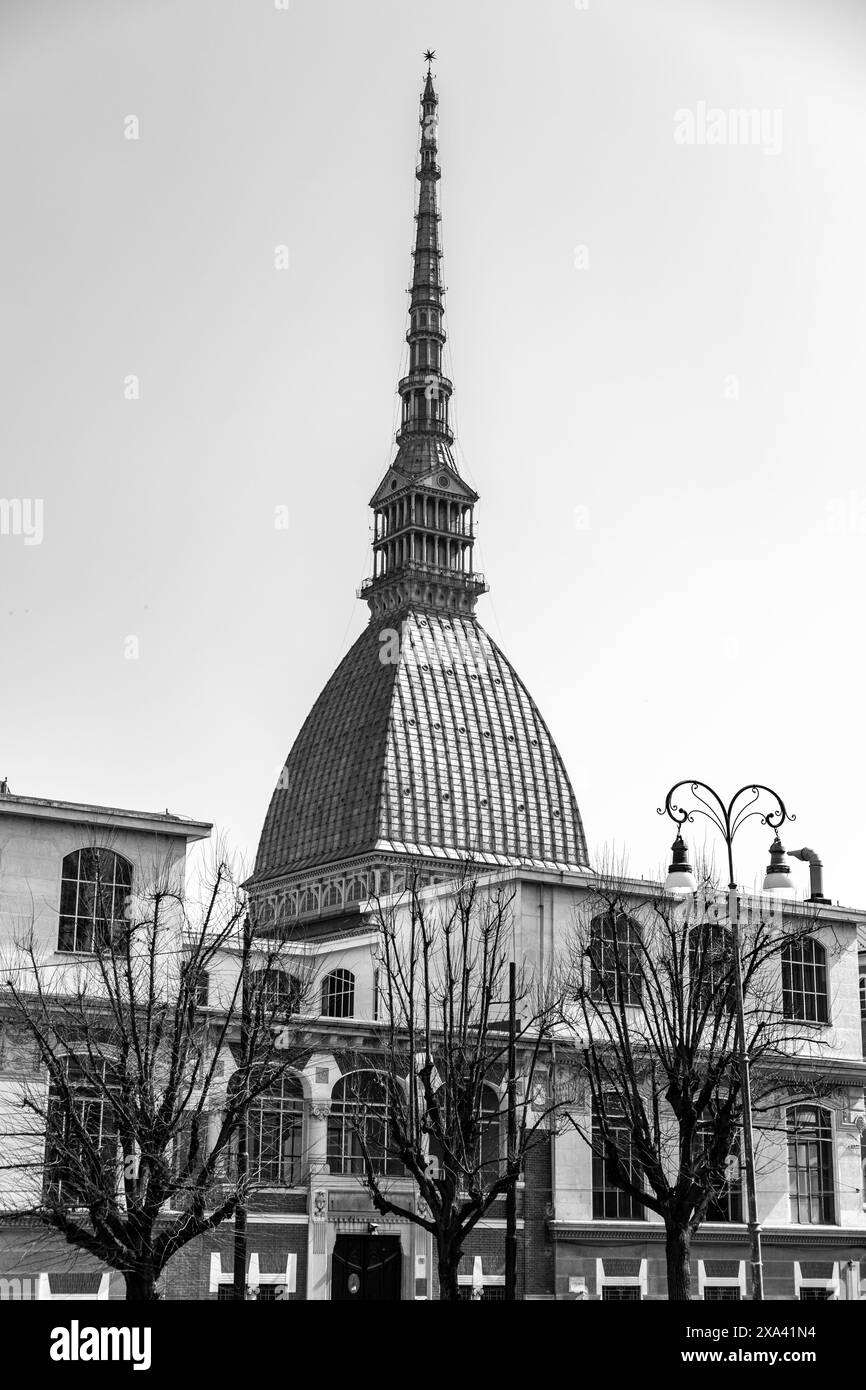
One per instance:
(51, 855)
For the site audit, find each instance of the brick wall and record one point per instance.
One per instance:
(538, 1262)
(187, 1275)
(535, 1262)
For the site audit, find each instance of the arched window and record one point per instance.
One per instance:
(804, 981)
(94, 895)
(338, 994)
(276, 991)
(276, 1126)
(359, 1116)
(614, 958)
(331, 895)
(810, 1166)
(610, 1202)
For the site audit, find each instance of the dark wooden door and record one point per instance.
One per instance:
(365, 1268)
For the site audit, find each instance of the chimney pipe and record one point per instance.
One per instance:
(816, 873)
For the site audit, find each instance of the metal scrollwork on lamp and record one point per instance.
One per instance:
(749, 801)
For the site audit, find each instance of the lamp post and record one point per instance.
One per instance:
(751, 800)
(511, 1190)
(239, 1281)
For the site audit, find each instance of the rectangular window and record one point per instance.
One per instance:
(815, 1295)
(276, 992)
(620, 1293)
(721, 1293)
(81, 1142)
(804, 981)
(609, 1202)
(712, 970)
(726, 1204)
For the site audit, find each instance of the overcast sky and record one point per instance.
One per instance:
(657, 348)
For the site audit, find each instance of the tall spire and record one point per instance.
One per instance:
(424, 530)
(425, 391)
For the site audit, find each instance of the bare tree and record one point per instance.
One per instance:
(425, 1105)
(139, 1085)
(652, 989)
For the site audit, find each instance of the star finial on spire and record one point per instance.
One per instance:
(430, 56)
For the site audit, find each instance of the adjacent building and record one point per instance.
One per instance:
(52, 854)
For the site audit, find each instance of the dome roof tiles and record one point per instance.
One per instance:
(431, 745)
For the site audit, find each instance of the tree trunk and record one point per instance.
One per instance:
(449, 1259)
(141, 1286)
(678, 1242)
(239, 1268)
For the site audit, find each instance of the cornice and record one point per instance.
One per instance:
(638, 1233)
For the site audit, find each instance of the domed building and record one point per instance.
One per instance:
(425, 750)
(425, 745)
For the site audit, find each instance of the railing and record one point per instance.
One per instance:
(457, 528)
(424, 426)
(474, 577)
(421, 377)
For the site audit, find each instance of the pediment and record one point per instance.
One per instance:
(445, 482)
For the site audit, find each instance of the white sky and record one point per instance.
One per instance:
(707, 622)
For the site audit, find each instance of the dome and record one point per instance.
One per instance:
(425, 742)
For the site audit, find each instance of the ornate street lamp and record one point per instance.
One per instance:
(778, 876)
(751, 800)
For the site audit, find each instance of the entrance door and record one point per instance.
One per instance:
(366, 1267)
